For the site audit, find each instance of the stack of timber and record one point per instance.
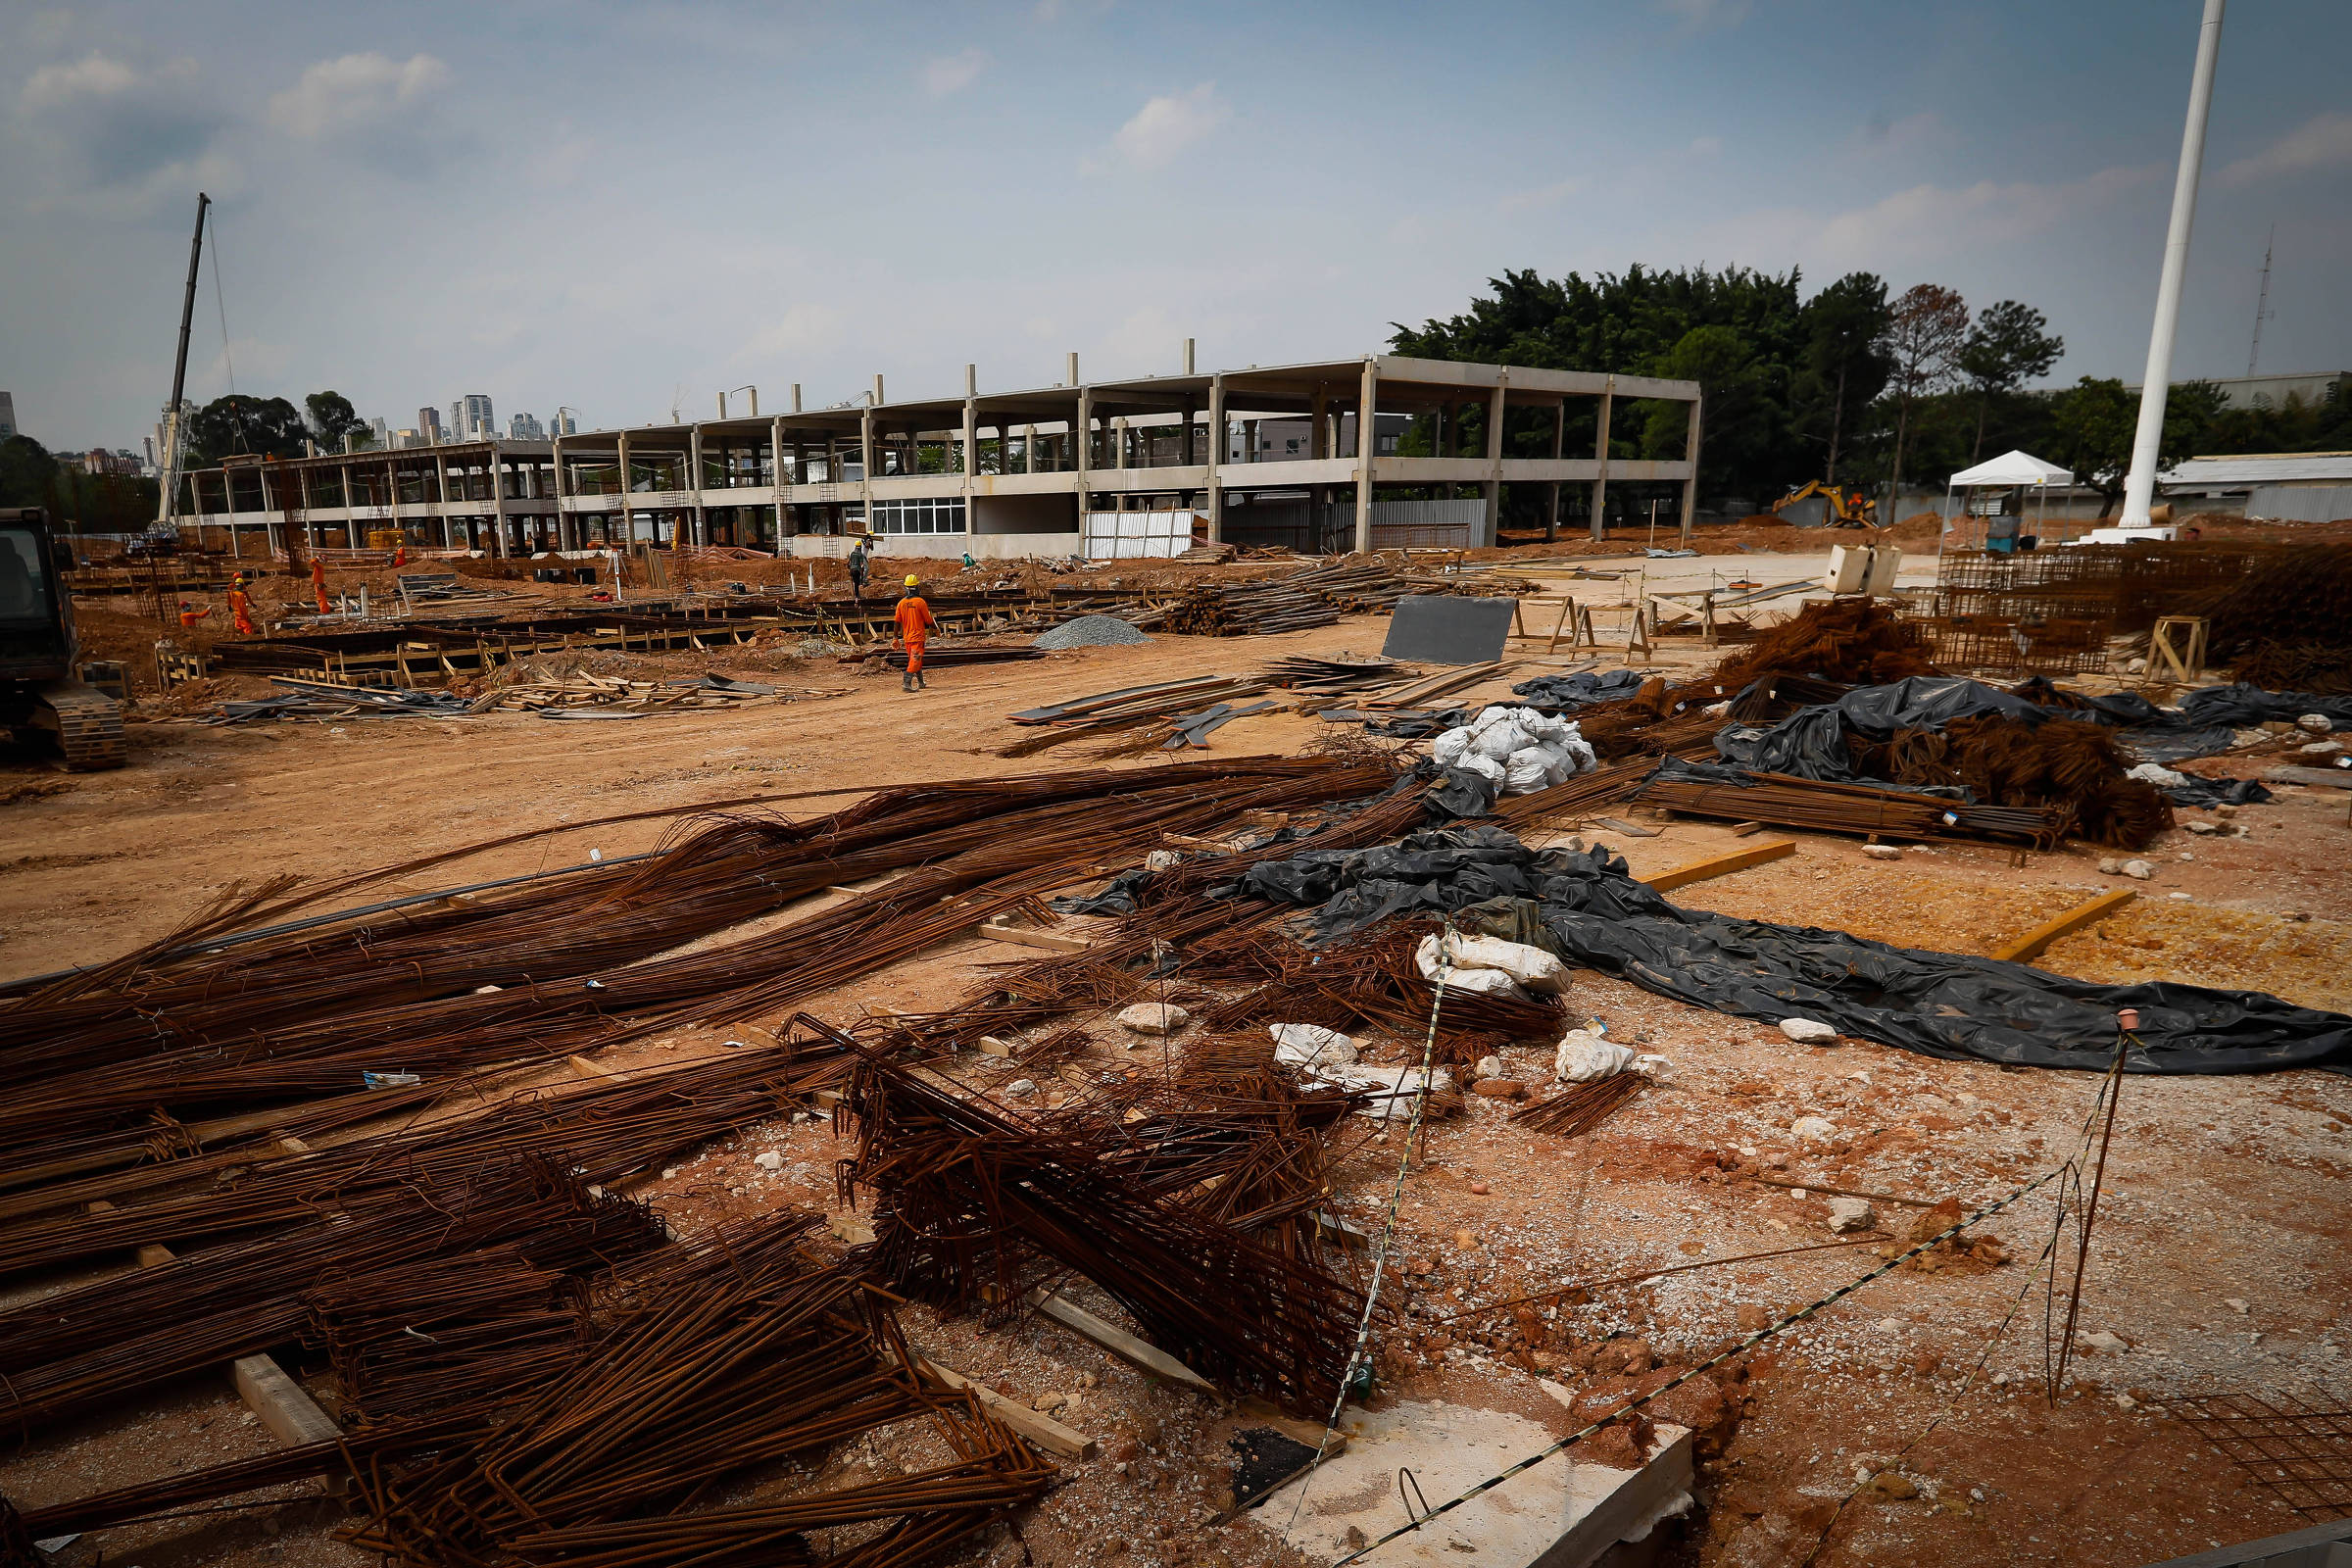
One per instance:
(610, 696)
(1130, 707)
(1247, 609)
(324, 699)
(941, 656)
(1307, 673)
(1412, 694)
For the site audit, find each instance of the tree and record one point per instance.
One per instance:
(1924, 334)
(2098, 422)
(27, 473)
(243, 424)
(2004, 350)
(1845, 369)
(1745, 402)
(333, 417)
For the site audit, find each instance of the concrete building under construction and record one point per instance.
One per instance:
(1135, 468)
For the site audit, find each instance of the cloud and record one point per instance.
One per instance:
(107, 136)
(948, 73)
(1165, 126)
(1697, 15)
(2323, 141)
(97, 76)
(1920, 222)
(1527, 201)
(354, 90)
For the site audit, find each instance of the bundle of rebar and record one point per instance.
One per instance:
(1785, 800)
(2060, 765)
(736, 1352)
(84, 1347)
(1581, 1108)
(113, 1065)
(972, 1205)
(1306, 672)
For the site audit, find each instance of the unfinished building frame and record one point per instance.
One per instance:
(994, 475)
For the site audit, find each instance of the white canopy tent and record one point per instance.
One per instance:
(2011, 471)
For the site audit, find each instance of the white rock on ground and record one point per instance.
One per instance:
(1310, 1045)
(2108, 865)
(2202, 828)
(1487, 1068)
(1813, 1129)
(2315, 723)
(771, 1160)
(1850, 1214)
(1021, 1088)
(1809, 1030)
(1583, 1057)
(2320, 748)
(1154, 1018)
(2138, 870)
(1884, 852)
(2107, 1344)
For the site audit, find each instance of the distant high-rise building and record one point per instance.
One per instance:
(147, 443)
(381, 431)
(475, 422)
(564, 424)
(429, 425)
(526, 427)
(8, 415)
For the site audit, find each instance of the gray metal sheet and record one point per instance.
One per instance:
(1444, 629)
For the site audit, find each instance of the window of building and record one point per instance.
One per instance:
(923, 514)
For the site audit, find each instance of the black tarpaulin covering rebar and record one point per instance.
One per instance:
(1937, 1004)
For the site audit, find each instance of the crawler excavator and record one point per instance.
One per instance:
(1816, 505)
(38, 689)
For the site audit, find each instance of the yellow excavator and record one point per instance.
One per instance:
(1827, 505)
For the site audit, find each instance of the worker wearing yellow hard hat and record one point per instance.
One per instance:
(914, 623)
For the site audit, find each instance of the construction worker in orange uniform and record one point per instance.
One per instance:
(915, 621)
(240, 607)
(319, 586)
(189, 615)
(400, 557)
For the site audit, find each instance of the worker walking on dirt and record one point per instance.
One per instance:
(189, 615)
(857, 570)
(915, 621)
(240, 607)
(318, 585)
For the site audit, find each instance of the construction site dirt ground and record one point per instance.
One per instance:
(2218, 1263)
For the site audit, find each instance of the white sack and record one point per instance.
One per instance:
(1584, 1056)
(1310, 1045)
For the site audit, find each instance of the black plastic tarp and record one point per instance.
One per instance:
(1937, 1004)
(1565, 694)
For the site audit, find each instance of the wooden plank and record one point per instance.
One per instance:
(1041, 1430)
(291, 1415)
(1618, 824)
(1027, 937)
(2065, 924)
(1138, 1353)
(1719, 865)
(2324, 778)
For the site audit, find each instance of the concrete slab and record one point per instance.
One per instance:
(1557, 1515)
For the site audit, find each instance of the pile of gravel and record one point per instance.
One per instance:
(1090, 631)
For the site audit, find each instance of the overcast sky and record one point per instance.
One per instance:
(625, 206)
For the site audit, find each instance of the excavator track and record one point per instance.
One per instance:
(87, 724)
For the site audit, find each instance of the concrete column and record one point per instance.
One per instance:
(865, 457)
(1552, 491)
(694, 482)
(1028, 449)
(1493, 486)
(1600, 454)
(564, 532)
(628, 528)
(350, 529)
(310, 525)
(1366, 399)
(1690, 486)
(971, 437)
(1217, 458)
(1079, 443)
(498, 496)
(1317, 429)
(1118, 442)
